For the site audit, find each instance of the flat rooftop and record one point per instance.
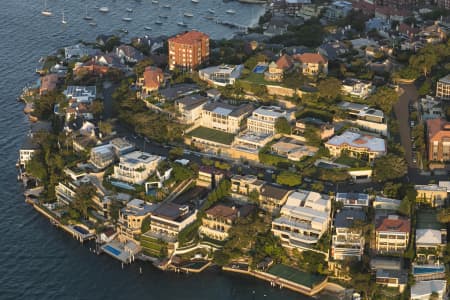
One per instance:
(172, 212)
(226, 109)
(139, 157)
(121, 143)
(353, 106)
(138, 207)
(76, 91)
(270, 111)
(232, 71)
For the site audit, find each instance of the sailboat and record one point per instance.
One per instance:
(64, 21)
(46, 12)
(86, 16)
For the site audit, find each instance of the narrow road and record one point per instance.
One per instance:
(408, 95)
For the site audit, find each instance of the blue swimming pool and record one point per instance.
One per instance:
(80, 229)
(259, 69)
(112, 250)
(427, 270)
(123, 185)
(151, 192)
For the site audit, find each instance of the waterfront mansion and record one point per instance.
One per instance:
(136, 167)
(304, 219)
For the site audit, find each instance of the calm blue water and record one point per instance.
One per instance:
(39, 261)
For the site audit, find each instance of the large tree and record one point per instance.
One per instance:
(329, 88)
(83, 199)
(282, 126)
(389, 167)
(384, 98)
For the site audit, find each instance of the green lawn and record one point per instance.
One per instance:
(257, 79)
(152, 246)
(292, 80)
(213, 135)
(296, 275)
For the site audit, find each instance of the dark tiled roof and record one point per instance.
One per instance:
(223, 211)
(273, 191)
(346, 217)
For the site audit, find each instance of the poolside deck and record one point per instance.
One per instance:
(124, 252)
(195, 266)
(78, 232)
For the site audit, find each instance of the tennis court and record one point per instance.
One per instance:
(296, 275)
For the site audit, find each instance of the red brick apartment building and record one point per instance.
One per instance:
(188, 50)
(438, 137)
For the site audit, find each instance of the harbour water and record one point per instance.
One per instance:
(40, 261)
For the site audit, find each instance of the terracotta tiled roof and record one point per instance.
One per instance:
(153, 77)
(406, 29)
(394, 224)
(311, 58)
(285, 62)
(189, 37)
(438, 129)
(48, 82)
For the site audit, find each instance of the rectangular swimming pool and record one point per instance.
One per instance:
(123, 185)
(259, 69)
(112, 250)
(80, 229)
(427, 270)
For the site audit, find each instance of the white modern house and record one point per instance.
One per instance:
(353, 199)
(365, 117)
(136, 167)
(423, 290)
(357, 88)
(225, 117)
(304, 219)
(83, 94)
(263, 119)
(27, 151)
(221, 75)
